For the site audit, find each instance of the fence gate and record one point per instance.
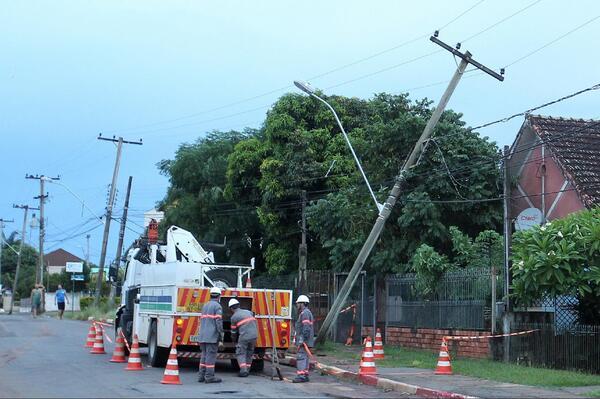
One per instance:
(354, 307)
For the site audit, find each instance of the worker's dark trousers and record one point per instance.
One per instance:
(244, 350)
(302, 362)
(208, 358)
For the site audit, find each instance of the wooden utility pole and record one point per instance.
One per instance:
(109, 207)
(25, 208)
(303, 251)
(2, 221)
(410, 162)
(115, 283)
(39, 274)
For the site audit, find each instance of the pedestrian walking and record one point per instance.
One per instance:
(59, 300)
(244, 333)
(36, 299)
(305, 335)
(210, 336)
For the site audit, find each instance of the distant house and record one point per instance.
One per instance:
(56, 261)
(554, 167)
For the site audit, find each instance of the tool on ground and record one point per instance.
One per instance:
(275, 355)
(98, 348)
(119, 351)
(171, 375)
(378, 347)
(91, 337)
(367, 364)
(135, 361)
(443, 365)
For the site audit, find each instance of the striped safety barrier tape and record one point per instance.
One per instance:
(456, 337)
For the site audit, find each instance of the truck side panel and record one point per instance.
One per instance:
(191, 300)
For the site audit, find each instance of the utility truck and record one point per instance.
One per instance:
(166, 284)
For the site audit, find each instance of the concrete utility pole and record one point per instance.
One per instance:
(109, 207)
(302, 251)
(2, 221)
(400, 179)
(113, 287)
(39, 274)
(26, 208)
(506, 318)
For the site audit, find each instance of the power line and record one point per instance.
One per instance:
(553, 41)
(501, 21)
(318, 76)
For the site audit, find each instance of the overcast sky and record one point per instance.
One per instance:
(170, 71)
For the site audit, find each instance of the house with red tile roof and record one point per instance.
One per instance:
(554, 167)
(56, 261)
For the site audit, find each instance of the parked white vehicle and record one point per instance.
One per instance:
(166, 286)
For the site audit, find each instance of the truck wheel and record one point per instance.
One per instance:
(222, 278)
(157, 355)
(235, 364)
(258, 365)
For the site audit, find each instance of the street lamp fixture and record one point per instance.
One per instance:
(308, 89)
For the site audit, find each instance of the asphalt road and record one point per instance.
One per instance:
(45, 357)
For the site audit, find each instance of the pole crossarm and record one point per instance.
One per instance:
(467, 58)
(115, 139)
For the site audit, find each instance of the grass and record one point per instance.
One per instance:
(100, 312)
(480, 368)
(593, 394)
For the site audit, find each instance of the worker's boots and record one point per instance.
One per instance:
(244, 373)
(301, 378)
(201, 378)
(212, 380)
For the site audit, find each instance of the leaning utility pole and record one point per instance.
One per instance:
(26, 208)
(2, 221)
(115, 283)
(302, 251)
(39, 274)
(111, 199)
(412, 161)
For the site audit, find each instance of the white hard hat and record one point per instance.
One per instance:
(215, 291)
(302, 299)
(233, 302)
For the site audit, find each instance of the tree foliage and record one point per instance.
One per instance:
(560, 258)
(29, 263)
(248, 186)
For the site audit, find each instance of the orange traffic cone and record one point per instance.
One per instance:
(378, 347)
(98, 348)
(119, 351)
(135, 361)
(171, 375)
(248, 282)
(443, 364)
(91, 337)
(367, 365)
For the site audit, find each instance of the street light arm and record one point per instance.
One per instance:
(76, 196)
(362, 172)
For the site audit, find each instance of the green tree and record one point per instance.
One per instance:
(196, 199)
(248, 185)
(29, 262)
(560, 258)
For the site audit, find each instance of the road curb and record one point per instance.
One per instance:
(380, 382)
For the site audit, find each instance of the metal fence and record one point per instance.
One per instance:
(461, 299)
(575, 348)
(319, 286)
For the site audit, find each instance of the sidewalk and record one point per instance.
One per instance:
(468, 386)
